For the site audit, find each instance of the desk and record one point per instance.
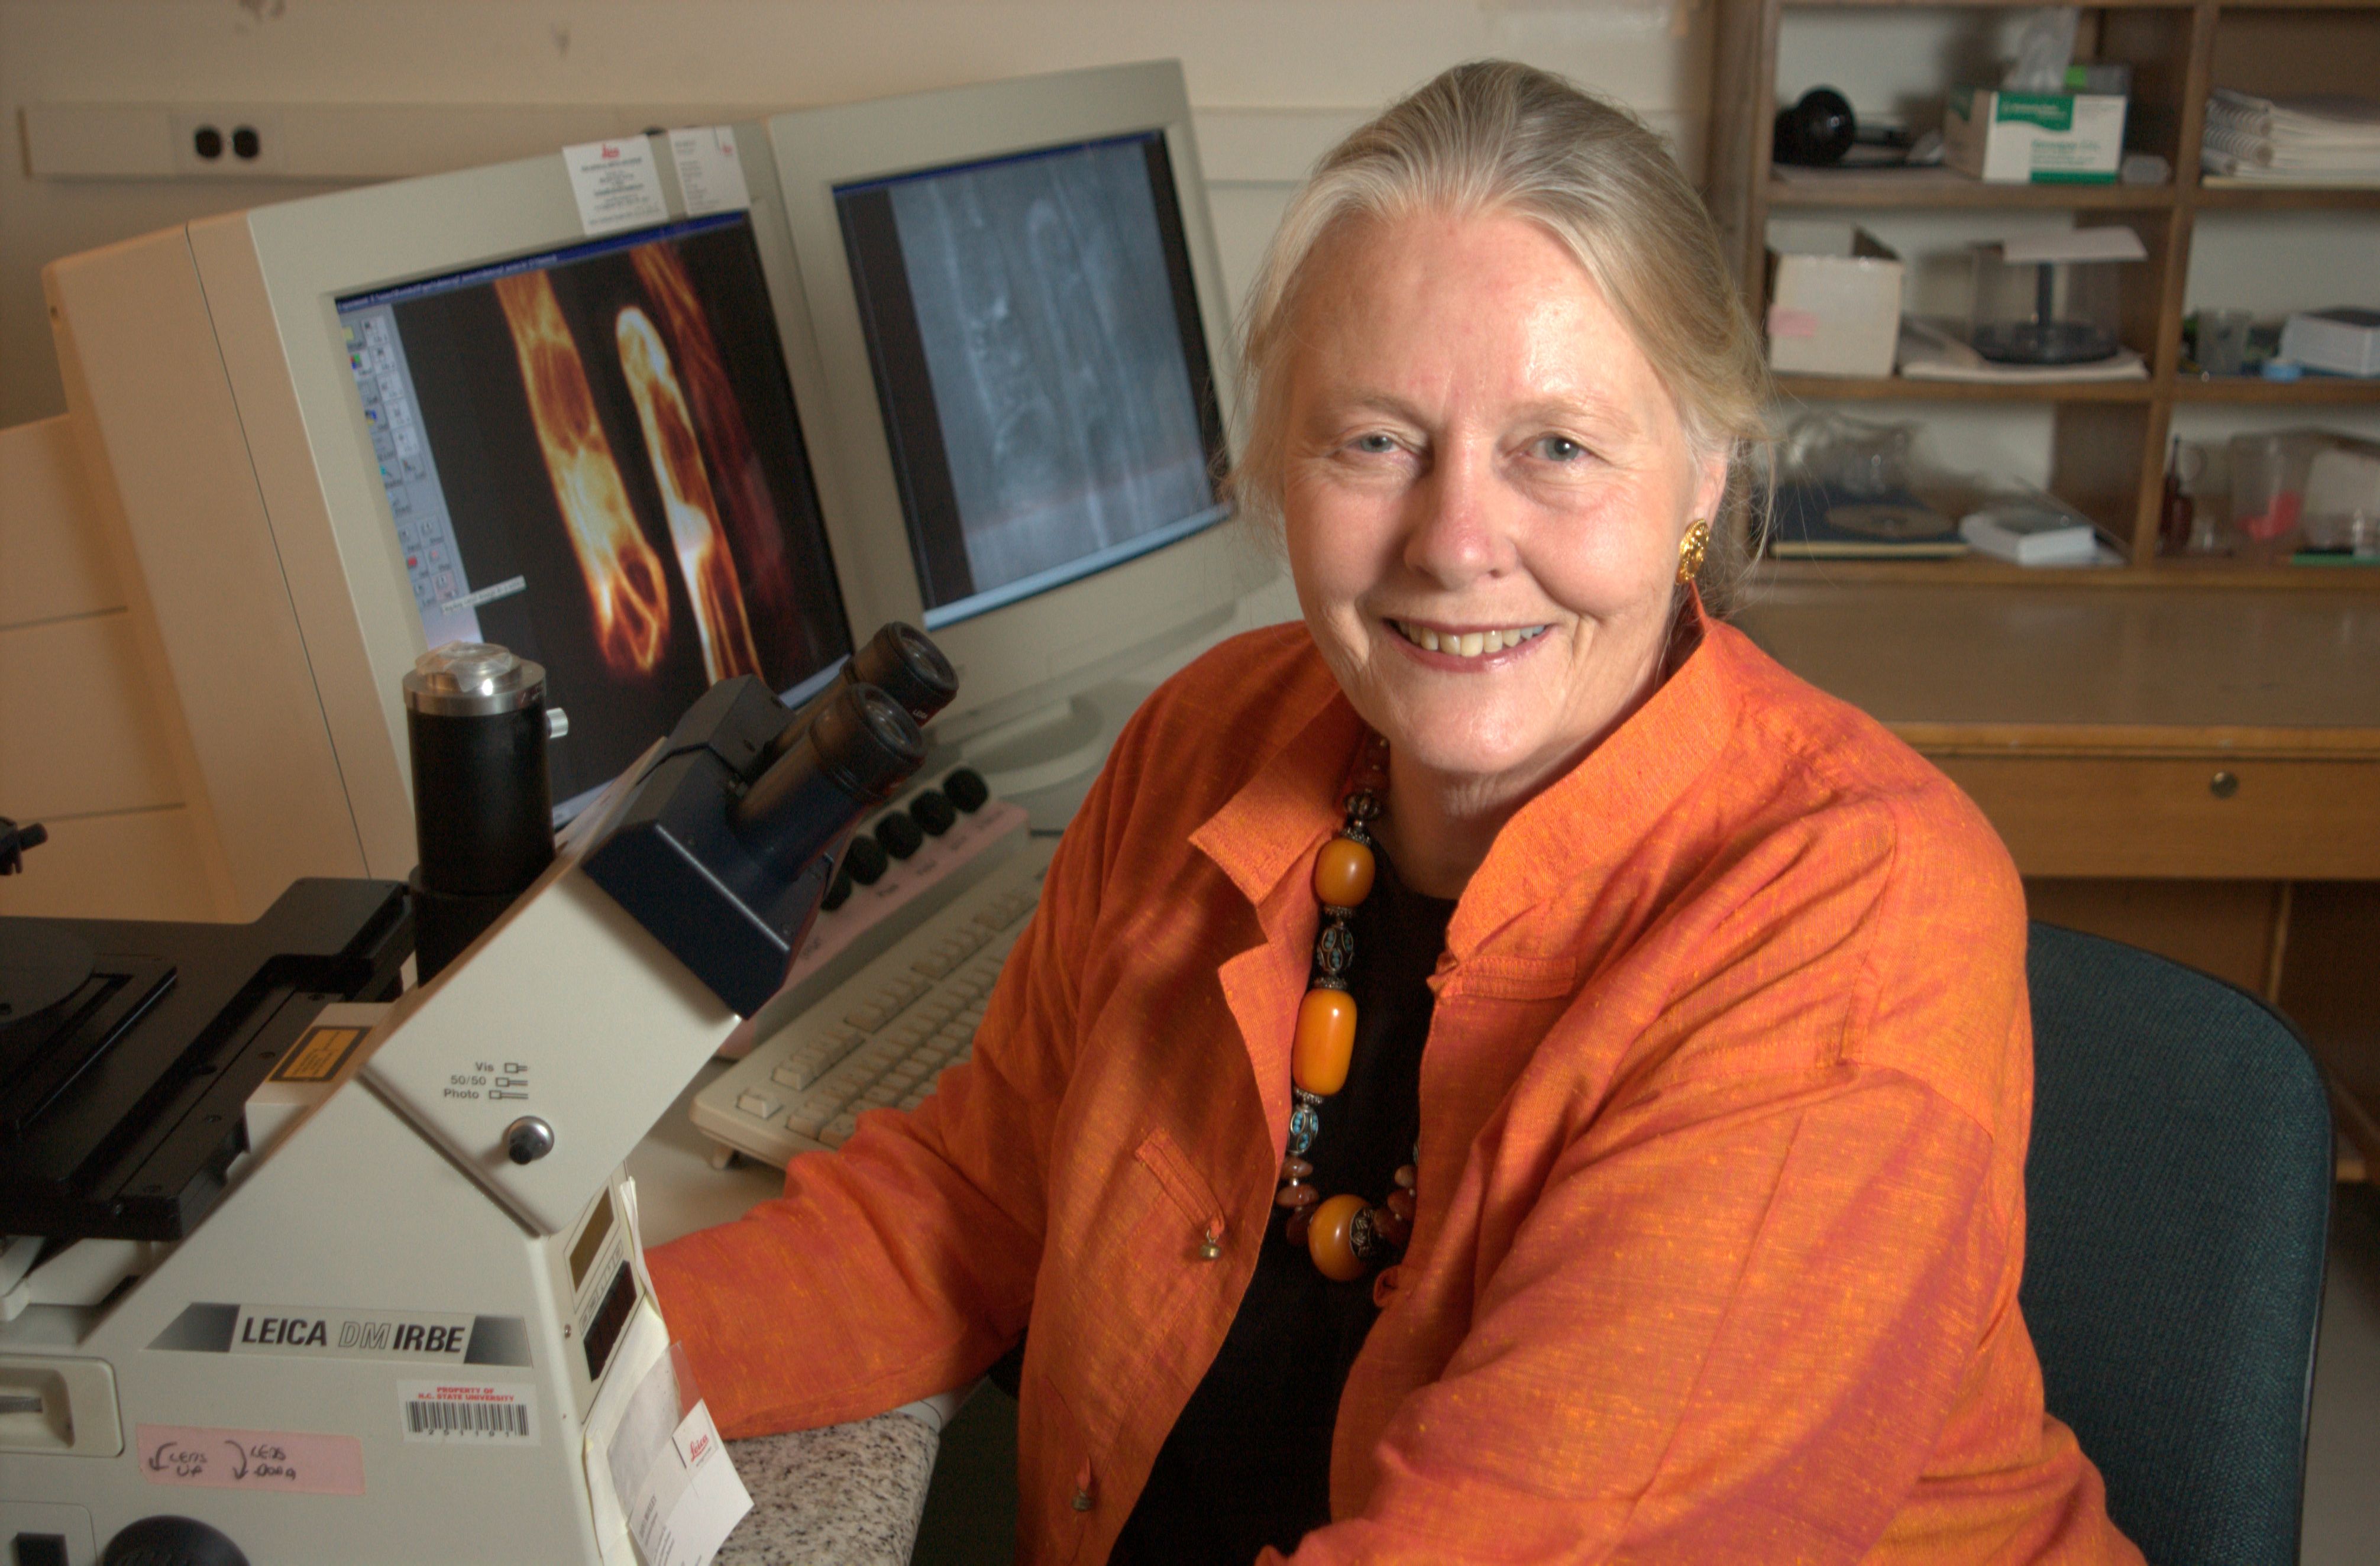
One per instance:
(2191, 769)
(850, 1495)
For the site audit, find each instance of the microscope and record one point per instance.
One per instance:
(297, 1272)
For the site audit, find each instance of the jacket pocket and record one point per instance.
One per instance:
(1163, 1157)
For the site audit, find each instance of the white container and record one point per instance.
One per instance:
(2342, 340)
(2030, 535)
(2034, 138)
(1834, 292)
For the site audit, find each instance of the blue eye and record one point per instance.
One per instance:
(1559, 448)
(1376, 444)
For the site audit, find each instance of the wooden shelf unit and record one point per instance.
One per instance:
(2107, 719)
(2109, 438)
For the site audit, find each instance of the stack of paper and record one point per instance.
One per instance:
(2324, 140)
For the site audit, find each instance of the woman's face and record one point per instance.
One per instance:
(1486, 485)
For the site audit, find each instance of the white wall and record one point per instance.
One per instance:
(1274, 80)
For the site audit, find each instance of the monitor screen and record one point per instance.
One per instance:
(1040, 362)
(591, 457)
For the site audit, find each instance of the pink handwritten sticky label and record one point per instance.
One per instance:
(289, 1462)
(1786, 322)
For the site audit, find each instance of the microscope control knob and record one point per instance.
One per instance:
(865, 861)
(932, 810)
(527, 1139)
(899, 835)
(838, 891)
(967, 790)
(170, 1541)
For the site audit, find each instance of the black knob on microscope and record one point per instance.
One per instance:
(838, 891)
(899, 835)
(865, 861)
(967, 790)
(932, 810)
(170, 1541)
(527, 1139)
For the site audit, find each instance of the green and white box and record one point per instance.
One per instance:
(2037, 137)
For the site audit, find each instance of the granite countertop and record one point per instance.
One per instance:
(848, 1495)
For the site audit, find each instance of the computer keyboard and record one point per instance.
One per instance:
(881, 1037)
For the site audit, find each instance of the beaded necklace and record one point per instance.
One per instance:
(1346, 1235)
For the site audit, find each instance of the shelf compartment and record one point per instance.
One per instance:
(1945, 187)
(1895, 388)
(1975, 570)
(2285, 197)
(2313, 391)
(2006, 5)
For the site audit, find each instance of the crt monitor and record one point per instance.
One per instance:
(1020, 317)
(591, 457)
(334, 431)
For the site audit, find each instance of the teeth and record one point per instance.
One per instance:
(1467, 644)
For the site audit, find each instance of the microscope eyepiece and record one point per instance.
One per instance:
(900, 662)
(868, 740)
(859, 747)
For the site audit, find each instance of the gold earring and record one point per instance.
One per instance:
(1690, 550)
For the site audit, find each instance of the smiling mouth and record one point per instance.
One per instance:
(1466, 644)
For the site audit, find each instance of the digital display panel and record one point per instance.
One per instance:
(592, 457)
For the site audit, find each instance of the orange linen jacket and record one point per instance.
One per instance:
(1723, 1119)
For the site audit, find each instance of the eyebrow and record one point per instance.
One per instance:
(1591, 407)
(1606, 414)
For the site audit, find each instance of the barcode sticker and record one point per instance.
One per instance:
(450, 1411)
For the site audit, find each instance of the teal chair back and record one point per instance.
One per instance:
(2179, 1205)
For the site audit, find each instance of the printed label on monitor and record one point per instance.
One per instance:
(616, 184)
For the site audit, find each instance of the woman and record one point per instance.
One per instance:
(1670, 1201)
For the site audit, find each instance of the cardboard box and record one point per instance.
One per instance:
(1834, 295)
(2342, 340)
(2034, 138)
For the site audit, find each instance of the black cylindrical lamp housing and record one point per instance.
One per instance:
(476, 727)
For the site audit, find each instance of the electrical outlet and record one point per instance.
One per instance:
(233, 140)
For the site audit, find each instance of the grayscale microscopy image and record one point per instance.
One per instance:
(1042, 293)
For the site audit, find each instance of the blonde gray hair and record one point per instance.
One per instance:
(1493, 136)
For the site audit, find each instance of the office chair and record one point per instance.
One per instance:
(2179, 1195)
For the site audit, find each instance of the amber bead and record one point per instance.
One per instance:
(1295, 1229)
(1402, 1204)
(1342, 873)
(1392, 1227)
(1294, 1197)
(1329, 1241)
(1326, 1042)
(1295, 1168)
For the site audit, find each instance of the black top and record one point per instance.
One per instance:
(1248, 1463)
